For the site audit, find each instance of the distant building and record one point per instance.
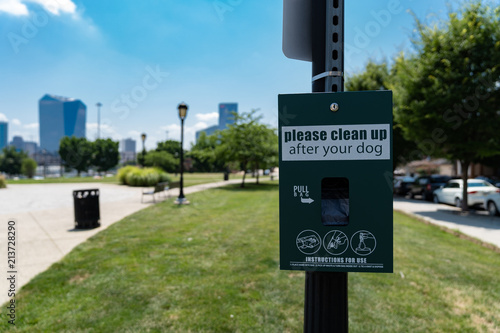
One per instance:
(4, 127)
(60, 117)
(208, 131)
(17, 142)
(226, 118)
(127, 150)
(226, 114)
(28, 147)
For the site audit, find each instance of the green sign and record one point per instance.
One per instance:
(336, 181)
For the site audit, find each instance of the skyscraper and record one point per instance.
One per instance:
(127, 150)
(59, 117)
(226, 118)
(226, 114)
(4, 126)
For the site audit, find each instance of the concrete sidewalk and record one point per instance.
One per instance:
(476, 224)
(45, 227)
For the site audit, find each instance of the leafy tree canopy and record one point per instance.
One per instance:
(376, 76)
(105, 154)
(11, 160)
(448, 90)
(163, 160)
(76, 153)
(203, 153)
(170, 146)
(248, 142)
(28, 167)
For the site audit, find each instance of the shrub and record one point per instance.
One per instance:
(3, 182)
(122, 173)
(134, 176)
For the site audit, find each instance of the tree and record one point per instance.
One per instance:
(76, 153)
(203, 153)
(170, 146)
(28, 167)
(266, 155)
(105, 154)
(449, 88)
(247, 142)
(11, 160)
(163, 160)
(378, 77)
(374, 77)
(141, 157)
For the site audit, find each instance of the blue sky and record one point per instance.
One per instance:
(140, 59)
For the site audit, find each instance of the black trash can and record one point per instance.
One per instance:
(87, 213)
(226, 176)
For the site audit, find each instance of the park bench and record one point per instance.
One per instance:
(160, 188)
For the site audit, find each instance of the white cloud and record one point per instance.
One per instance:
(56, 7)
(171, 127)
(3, 117)
(106, 131)
(31, 126)
(13, 7)
(207, 116)
(174, 132)
(16, 122)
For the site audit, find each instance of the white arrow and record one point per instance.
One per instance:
(308, 200)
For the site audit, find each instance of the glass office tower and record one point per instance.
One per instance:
(59, 117)
(4, 126)
(226, 118)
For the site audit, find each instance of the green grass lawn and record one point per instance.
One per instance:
(212, 266)
(189, 179)
(197, 178)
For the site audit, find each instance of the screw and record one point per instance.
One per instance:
(334, 107)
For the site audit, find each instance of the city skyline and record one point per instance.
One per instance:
(140, 60)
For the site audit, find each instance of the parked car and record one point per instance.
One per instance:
(402, 185)
(494, 182)
(492, 203)
(426, 185)
(451, 193)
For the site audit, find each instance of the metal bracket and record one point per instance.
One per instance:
(327, 74)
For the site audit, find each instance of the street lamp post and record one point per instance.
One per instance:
(143, 138)
(44, 152)
(99, 120)
(182, 115)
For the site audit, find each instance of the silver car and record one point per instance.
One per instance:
(451, 193)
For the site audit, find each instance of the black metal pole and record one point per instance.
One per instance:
(326, 299)
(181, 185)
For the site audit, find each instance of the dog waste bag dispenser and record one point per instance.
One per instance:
(336, 181)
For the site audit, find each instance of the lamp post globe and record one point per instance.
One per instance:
(182, 108)
(143, 138)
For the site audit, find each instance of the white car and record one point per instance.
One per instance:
(451, 193)
(492, 203)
